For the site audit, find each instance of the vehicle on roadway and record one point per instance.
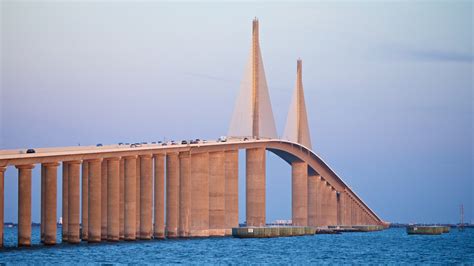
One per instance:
(30, 151)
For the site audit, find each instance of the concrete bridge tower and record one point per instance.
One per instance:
(297, 128)
(253, 116)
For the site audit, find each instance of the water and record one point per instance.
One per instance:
(389, 246)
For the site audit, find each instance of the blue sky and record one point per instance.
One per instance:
(388, 87)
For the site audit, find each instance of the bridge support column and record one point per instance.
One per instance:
(351, 210)
(199, 195)
(325, 203)
(299, 193)
(104, 171)
(73, 204)
(24, 204)
(255, 186)
(184, 193)
(312, 199)
(65, 200)
(231, 208)
(146, 194)
(332, 206)
(85, 201)
(338, 208)
(216, 194)
(2, 202)
(42, 210)
(159, 229)
(49, 202)
(130, 197)
(113, 194)
(319, 200)
(121, 198)
(172, 194)
(138, 176)
(94, 208)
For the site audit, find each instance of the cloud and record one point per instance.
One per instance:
(400, 52)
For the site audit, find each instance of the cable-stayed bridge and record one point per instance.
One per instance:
(187, 189)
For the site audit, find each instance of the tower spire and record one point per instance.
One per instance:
(255, 57)
(253, 115)
(297, 128)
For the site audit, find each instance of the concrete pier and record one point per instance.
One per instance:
(113, 194)
(231, 190)
(199, 226)
(130, 197)
(172, 194)
(312, 199)
(255, 186)
(216, 194)
(184, 194)
(159, 228)
(138, 176)
(121, 198)
(42, 196)
(95, 181)
(319, 198)
(2, 203)
(50, 202)
(146, 196)
(24, 204)
(299, 193)
(325, 203)
(73, 236)
(65, 199)
(103, 202)
(332, 206)
(85, 201)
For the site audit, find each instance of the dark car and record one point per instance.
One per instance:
(194, 142)
(245, 139)
(163, 144)
(30, 151)
(99, 145)
(184, 142)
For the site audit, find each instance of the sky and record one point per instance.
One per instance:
(388, 88)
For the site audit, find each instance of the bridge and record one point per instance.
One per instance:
(153, 190)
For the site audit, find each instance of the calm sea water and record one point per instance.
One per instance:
(389, 246)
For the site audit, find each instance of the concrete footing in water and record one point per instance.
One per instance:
(427, 230)
(266, 232)
(285, 231)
